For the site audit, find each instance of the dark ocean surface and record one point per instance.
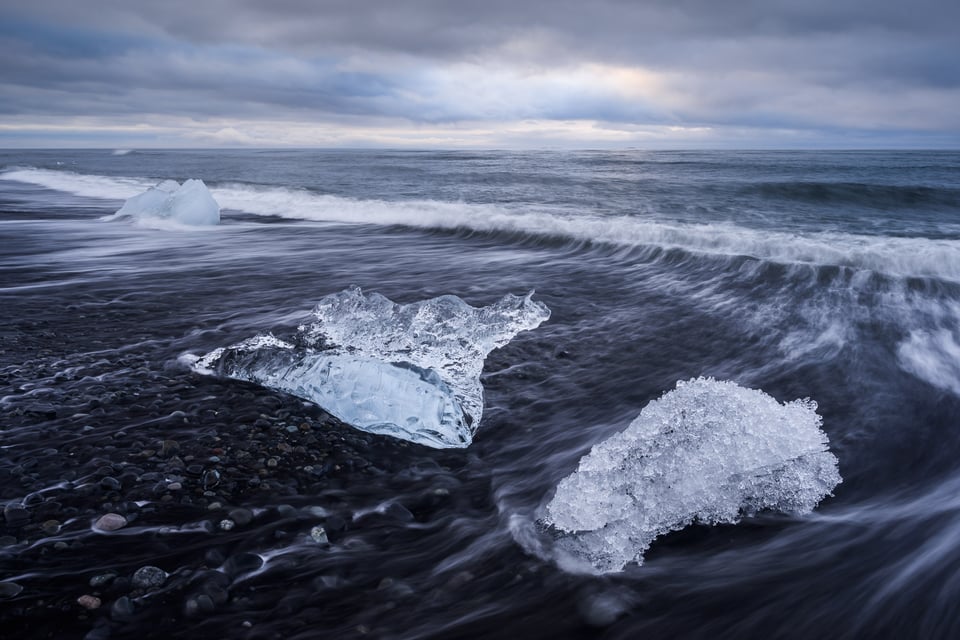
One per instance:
(828, 275)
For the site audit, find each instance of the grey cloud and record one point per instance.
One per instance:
(761, 63)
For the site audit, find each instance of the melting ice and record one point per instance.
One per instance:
(708, 452)
(190, 203)
(410, 371)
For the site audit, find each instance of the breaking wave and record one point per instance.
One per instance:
(894, 256)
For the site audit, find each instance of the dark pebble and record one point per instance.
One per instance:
(109, 483)
(241, 516)
(102, 579)
(214, 557)
(242, 563)
(149, 577)
(42, 410)
(10, 589)
(122, 609)
(397, 511)
(16, 515)
(169, 448)
(51, 527)
(218, 594)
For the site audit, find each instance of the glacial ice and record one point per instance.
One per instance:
(409, 371)
(190, 203)
(707, 452)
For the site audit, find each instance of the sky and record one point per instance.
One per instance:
(480, 73)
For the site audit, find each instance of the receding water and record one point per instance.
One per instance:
(830, 276)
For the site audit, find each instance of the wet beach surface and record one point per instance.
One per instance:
(243, 512)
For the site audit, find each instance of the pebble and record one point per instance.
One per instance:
(102, 579)
(110, 522)
(241, 516)
(122, 608)
(397, 511)
(242, 563)
(89, 602)
(169, 448)
(175, 486)
(10, 589)
(226, 524)
(272, 463)
(213, 506)
(211, 479)
(16, 515)
(109, 483)
(149, 577)
(51, 527)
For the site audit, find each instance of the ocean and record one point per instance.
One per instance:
(833, 276)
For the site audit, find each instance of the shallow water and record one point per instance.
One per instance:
(833, 276)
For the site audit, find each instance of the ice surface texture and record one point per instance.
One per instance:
(708, 452)
(410, 371)
(190, 203)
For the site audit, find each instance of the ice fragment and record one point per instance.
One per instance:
(409, 371)
(707, 452)
(190, 204)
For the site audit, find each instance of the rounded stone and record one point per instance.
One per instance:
(89, 602)
(16, 515)
(149, 577)
(102, 579)
(110, 522)
(51, 527)
(122, 608)
(109, 483)
(241, 516)
(10, 589)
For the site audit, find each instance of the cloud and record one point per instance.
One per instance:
(856, 70)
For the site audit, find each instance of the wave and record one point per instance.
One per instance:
(895, 256)
(88, 186)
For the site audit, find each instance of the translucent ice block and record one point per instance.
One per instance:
(410, 371)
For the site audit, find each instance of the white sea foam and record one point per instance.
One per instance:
(933, 356)
(88, 186)
(897, 256)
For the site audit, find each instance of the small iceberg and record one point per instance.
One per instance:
(408, 371)
(190, 203)
(707, 452)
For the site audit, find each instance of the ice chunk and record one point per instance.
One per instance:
(190, 203)
(708, 452)
(410, 371)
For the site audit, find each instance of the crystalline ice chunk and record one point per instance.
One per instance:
(410, 371)
(707, 452)
(190, 203)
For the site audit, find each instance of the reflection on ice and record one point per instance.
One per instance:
(707, 452)
(410, 371)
